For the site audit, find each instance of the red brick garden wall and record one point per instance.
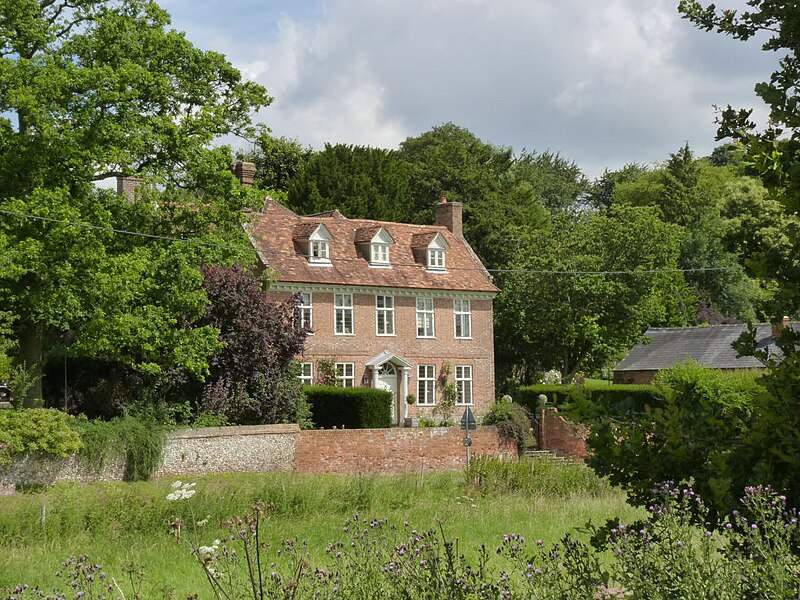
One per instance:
(562, 436)
(396, 450)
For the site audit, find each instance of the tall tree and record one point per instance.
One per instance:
(774, 154)
(93, 89)
(250, 381)
(359, 181)
(584, 290)
(278, 160)
(600, 195)
(451, 161)
(551, 181)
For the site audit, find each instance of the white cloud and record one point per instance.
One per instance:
(604, 83)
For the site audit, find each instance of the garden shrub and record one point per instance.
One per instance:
(36, 430)
(139, 439)
(352, 408)
(513, 422)
(699, 432)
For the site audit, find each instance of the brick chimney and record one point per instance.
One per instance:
(450, 214)
(245, 172)
(126, 186)
(778, 327)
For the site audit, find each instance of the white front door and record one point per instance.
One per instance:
(387, 380)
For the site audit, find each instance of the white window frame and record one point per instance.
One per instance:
(307, 373)
(462, 318)
(307, 311)
(464, 385)
(345, 374)
(426, 385)
(379, 253)
(436, 260)
(384, 315)
(342, 307)
(319, 246)
(319, 251)
(426, 318)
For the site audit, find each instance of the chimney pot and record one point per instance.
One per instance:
(442, 199)
(245, 172)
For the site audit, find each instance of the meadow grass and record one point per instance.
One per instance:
(126, 527)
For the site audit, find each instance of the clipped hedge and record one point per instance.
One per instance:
(352, 408)
(612, 399)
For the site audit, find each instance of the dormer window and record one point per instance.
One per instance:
(436, 253)
(373, 243)
(316, 239)
(379, 247)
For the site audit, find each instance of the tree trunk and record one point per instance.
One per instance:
(30, 346)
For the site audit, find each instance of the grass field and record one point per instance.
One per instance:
(127, 527)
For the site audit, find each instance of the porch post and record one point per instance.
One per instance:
(375, 377)
(404, 390)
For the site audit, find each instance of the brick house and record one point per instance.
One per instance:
(406, 308)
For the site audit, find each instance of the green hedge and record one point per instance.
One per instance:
(353, 408)
(36, 430)
(612, 399)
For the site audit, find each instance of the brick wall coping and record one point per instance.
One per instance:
(234, 431)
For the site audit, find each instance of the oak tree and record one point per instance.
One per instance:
(91, 89)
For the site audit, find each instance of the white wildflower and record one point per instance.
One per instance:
(182, 491)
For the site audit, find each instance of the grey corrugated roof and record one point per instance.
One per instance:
(710, 346)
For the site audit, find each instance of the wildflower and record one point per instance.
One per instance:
(181, 491)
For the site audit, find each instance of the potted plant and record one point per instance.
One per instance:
(412, 421)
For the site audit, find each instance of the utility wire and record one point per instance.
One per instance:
(124, 232)
(252, 249)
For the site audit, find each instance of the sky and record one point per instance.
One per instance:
(602, 82)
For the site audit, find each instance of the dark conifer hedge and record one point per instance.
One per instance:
(351, 408)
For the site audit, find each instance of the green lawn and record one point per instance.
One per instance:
(127, 527)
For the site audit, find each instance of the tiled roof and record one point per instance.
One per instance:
(422, 240)
(710, 346)
(273, 231)
(365, 234)
(303, 230)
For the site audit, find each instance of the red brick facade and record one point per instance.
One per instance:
(385, 451)
(461, 292)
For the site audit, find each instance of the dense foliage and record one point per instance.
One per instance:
(137, 441)
(583, 290)
(92, 89)
(36, 430)
(701, 431)
(250, 380)
(349, 408)
(358, 181)
(513, 422)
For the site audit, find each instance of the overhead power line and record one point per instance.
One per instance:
(251, 249)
